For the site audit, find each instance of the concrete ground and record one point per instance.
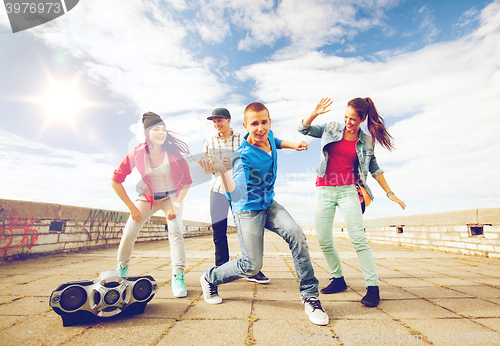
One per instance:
(427, 298)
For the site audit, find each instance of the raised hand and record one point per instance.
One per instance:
(321, 107)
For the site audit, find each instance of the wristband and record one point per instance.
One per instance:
(390, 193)
(177, 205)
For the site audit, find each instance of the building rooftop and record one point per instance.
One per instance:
(428, 297)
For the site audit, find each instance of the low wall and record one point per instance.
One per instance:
(28, 228)
(470, 232)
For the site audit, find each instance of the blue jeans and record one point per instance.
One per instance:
(219, 206)
(347, 199)
(250, 227)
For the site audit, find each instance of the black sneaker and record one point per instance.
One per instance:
(372, 297)
(337, 285)
(260, 278)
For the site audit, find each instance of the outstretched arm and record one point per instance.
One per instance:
(299, 146)
(383, 184)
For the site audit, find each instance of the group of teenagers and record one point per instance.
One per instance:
(244, 171)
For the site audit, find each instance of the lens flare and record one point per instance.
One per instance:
(62, 102)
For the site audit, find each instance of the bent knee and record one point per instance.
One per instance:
(325, 241)
(253, 272)
(327, 247)
(129, 238)
(360, 244)
(251, 268)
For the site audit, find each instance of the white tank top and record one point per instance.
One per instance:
(160, 178)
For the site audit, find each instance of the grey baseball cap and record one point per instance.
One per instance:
(220, 113)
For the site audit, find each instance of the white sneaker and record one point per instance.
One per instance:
(210, 291)
(317, 314)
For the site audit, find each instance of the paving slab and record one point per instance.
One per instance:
(480, 291)
(383, 331)
(436, 292)
(207, 333)
(415, 308)
(122, 331)
(424, 293)
(456, 331)
(473, 307)
(43, 329)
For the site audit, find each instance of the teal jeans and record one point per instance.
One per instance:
(347, 199)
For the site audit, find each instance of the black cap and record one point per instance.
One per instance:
(150, 119)
(220, 113)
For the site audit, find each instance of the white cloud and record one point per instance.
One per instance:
(211, 21)
(427, 25)
(35, 172)
(304, 24)
(141, 52)
(138, 51)
(179, 5)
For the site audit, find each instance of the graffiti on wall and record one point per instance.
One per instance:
(15, 228)
(104, 225)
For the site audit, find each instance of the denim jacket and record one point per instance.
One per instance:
(333, 132)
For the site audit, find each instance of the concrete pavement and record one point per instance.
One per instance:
(427, 298)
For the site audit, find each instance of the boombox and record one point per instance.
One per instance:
(109, 295)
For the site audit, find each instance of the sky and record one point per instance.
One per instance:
(73, 91)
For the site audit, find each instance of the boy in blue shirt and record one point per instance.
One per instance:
(251, 191)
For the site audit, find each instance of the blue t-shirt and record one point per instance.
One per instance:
(254, 174)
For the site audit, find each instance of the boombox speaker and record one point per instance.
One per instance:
(109, 295)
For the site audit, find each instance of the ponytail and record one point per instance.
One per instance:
(365, 108)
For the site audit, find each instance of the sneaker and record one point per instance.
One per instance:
(210, 291)
(317, 314)
(337, 285)
(123, 271)
(178, 287)
(260, 278)
(372, 297)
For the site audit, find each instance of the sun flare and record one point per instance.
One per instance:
(62, 102)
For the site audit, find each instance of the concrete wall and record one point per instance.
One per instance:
(451, 231)
(35, 228)
(28, 228)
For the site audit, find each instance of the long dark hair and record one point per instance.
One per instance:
(365, 108)
(172, 143)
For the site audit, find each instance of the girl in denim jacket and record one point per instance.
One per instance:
(346, 159)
